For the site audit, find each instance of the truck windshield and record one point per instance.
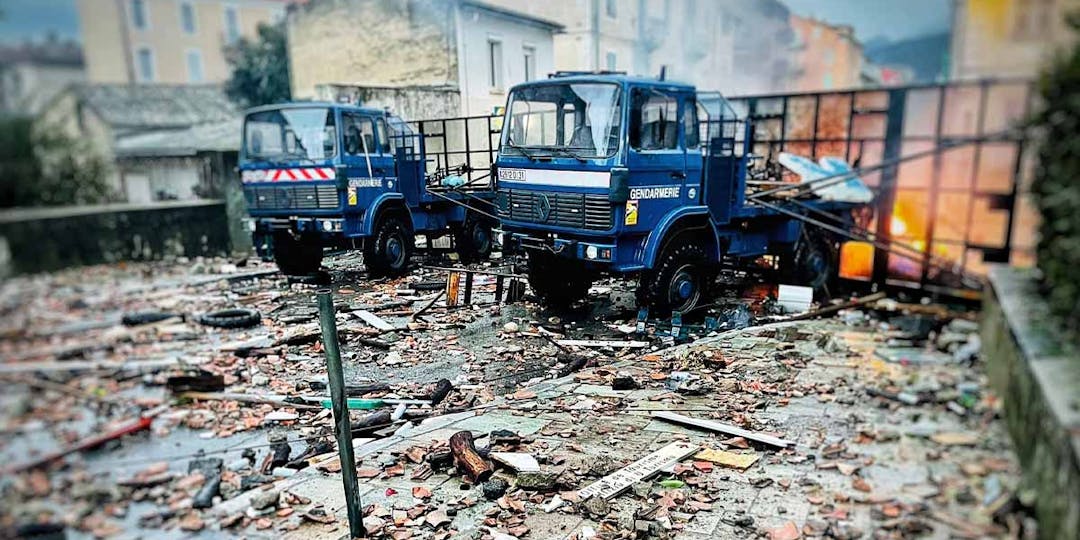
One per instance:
(578, 119)
(290, 135)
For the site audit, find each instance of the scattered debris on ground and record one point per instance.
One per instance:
(174, 399)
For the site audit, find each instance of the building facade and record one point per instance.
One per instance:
(731, 46)
(167, 41)
(828, 56)
(478, 49)
(33, 73)
(155, 138)
(1007, 38)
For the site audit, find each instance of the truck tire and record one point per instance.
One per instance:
(295, 257)
(474, 240)
(678, 281)
(390, 248)
(558, 283)
(231, 318)
(813, 263)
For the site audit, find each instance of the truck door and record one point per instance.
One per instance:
(691, 128)
(369, 167)
(657, 158)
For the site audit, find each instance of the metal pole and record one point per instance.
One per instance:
(342, 429)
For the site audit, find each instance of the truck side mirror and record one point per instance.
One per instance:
(619, 188)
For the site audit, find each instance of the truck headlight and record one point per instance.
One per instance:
(591, 252)
(328, 226)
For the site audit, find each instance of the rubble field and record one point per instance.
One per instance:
(189, 398)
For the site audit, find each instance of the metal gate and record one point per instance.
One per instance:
(964, 201)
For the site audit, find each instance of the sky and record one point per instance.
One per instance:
(892, 19)
(33, 19)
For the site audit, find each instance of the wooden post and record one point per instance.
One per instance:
(469, 277)
(468, 460)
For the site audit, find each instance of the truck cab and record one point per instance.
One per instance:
(608, 173)
(330, 175)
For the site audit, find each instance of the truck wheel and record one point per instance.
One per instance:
(813, 263)
(678, 281)
(474, 240)
(295, 257)
(391, 247)
(558, 283)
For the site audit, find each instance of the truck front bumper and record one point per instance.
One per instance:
(597, 253)
(300, 225)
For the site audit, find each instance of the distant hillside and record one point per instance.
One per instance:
(926, 55)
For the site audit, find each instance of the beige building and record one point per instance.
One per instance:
(1007, 38)
(828, 57)
(167, 41)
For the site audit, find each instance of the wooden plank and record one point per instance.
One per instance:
(621, 480)
(722, 428)
(613, 343)
(373, 319)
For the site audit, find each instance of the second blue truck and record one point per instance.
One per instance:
(330, 175)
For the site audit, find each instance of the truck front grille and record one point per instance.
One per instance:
(575, 210)
(291, 197)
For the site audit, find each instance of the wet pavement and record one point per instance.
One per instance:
(894, 433)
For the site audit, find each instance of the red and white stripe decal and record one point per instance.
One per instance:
(279, 175)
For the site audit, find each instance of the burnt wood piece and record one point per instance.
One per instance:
(467, 459)
(442, 389)
(371, 423)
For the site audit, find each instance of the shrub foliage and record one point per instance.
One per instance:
(1056, 184)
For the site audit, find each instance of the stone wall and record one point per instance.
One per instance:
(43, 239)
(1038, 378)
(409, 102)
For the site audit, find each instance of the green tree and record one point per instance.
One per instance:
(43, 167)
(260, 67)
(1056, 183)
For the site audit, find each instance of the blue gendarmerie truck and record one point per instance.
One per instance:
(603, 173)
(331, 175)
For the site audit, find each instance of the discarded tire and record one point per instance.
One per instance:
(436, 285)
(231, 318)
(146, 317)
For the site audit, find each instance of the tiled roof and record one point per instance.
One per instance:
(156, 106)
(221, 136)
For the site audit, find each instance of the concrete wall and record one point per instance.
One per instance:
(44, 239)
(1037, 376)
(409, 102)
(110, 38)
(371, 43)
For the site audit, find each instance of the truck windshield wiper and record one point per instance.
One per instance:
(293, 156)
(568, 152)
(519, 148)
